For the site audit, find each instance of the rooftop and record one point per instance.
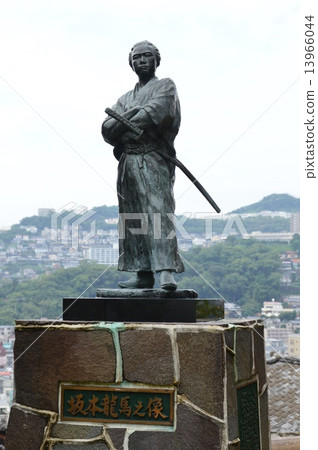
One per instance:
(283, 391)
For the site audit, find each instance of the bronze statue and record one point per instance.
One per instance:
(145, 179)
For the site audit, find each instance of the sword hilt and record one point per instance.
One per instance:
(124, 121)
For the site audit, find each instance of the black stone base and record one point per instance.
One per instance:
(116, 309)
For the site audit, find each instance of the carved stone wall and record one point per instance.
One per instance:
(208, 365)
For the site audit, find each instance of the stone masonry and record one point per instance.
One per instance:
(205, 363)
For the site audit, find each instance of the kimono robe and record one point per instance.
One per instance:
(145, 181)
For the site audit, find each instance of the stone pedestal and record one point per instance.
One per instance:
(139, 386)
(143, 305)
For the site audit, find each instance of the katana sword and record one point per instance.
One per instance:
(169, 158)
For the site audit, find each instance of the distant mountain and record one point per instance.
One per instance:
(273, 202)
(101, 213)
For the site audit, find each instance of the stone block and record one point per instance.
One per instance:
(147, 356)
(264, 422)
(131, 309)
(25, 429)
(244, 354)
(202, 369)
(46, 357)
(259, 356)
(231, 397)
(230, 337)
(67, 431)
(193, 432)
(117, 436)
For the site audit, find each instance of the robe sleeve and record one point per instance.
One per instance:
(163, 104)
(110, 127)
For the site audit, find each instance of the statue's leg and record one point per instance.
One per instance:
(167, 281)
(141, 280)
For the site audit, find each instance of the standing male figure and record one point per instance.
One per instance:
(145, 179)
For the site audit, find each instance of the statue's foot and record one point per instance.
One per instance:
(141, 280)
(167, 281)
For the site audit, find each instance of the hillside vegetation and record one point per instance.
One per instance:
(273, 202)
(246, 272)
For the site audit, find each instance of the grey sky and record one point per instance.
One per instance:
(64, 62)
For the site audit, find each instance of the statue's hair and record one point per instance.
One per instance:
(154, 48)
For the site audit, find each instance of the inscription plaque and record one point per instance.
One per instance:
(144, 406)
(248, 417)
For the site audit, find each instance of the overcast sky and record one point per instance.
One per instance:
(236, 68)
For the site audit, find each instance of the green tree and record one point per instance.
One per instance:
(295, 243)
(245, 272)
(250, 308)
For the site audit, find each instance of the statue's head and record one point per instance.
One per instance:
(152, 48)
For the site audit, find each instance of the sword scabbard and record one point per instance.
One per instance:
(175, 161)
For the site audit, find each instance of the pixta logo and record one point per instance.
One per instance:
(66, 222)
(143, 224)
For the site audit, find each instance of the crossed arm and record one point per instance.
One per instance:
(156, 113)
(114, 131)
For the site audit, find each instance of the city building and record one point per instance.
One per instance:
(294, 325)
(281, 334)
(294, 345)
(272, 308)
(290, 267)
(271, 237)
(274, 346)
(103, 254)
(292, 300)
(4, 410)
(6, 332)
(295, 223)
(3, 357)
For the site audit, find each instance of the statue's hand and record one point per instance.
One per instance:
(141, 119)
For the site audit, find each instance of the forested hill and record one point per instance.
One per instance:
(245, 272)
(273, 202)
